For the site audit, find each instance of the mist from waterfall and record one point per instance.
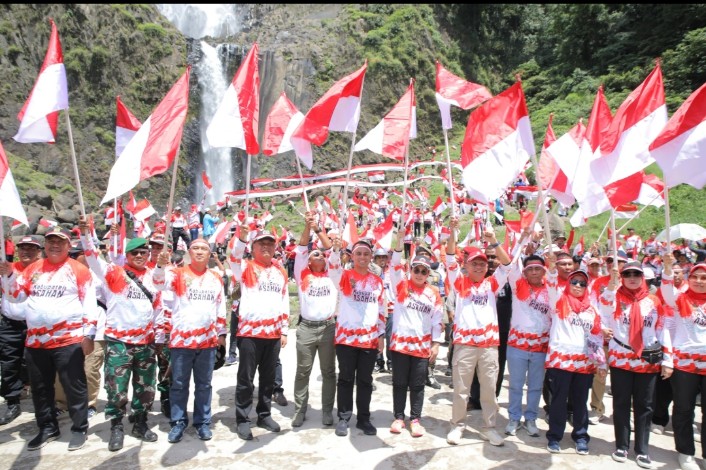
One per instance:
(199, 21)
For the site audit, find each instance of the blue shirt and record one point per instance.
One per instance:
(209, 225)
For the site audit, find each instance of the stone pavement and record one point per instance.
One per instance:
(314, 446)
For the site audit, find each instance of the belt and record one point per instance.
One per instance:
(644, 350)
(328, 321)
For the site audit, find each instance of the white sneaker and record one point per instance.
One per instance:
(657, 429)
(594, 417)
(455, 435)
(697, 433)
(512, 427)
(492, 436)
(687, 462)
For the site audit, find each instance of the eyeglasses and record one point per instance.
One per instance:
(631, 274)
(138, 252)
(419, 270)
(578, 283)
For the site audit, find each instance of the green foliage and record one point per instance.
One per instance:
(152, 30)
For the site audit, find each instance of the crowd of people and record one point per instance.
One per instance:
(157, 318)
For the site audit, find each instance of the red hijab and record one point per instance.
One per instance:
(633, 298)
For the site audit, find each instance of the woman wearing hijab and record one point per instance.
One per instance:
(575, 352)
(689, 358)
(634, 321)
(415, 337)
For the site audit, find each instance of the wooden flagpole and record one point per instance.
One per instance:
(450, 175)
(247, 188)
(613, 236)
(301, 177)
(403, 218)
(342, 211)
(75, 165)
(639, 212)
(603, 231)
(115, 237)
(540, 206)
(667, 219)
(170, 202)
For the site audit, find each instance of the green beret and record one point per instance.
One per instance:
(135, 243)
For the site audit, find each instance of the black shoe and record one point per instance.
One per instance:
(140, 429)
(44, 436)
(268, 423)
(389, 366)
(280, 399)
(78, 439)
(379, 367)
(448, 372)
(342, 428)
(117, 435)
(432, 382)
(12, 412)
(244, 431)
(367, 428)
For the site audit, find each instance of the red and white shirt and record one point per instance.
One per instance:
(14, 311)
(531, 313)
(417, 316)
(264, 296)
(317, 293)
(198, 317)
(61, 302)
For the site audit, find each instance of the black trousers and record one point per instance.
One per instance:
(180, 232)
(13, 372)
(663, 398)
(632, 391)
(685, 387)
(565, 384)
(408, 372)
(234, 319)
(355, 366)
(43, 365)
(261, 355)
(279, 388)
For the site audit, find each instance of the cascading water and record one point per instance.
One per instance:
(215, 21)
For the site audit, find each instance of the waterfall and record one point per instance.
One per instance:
(215, 21)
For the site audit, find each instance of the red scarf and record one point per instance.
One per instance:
(633, 297)
(570, 303)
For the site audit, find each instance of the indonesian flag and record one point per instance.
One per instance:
(376, 176)
(681, 146)
(39, 116)
(439, 206)
(383, 233)
(235, 123)
(579, 248)
(131, 204)
(219, 236)
(153, 148)
(497, 145)
(625, 147)
(425, 193)
(328, 204)
(143, 210)
(206, 181)
(280, 124)
(350, 233)
(430, 238)
(112, 216)
(10, 204)
(266, 217)
(390, 138)
(48, 223)
(142, 229)
(626, 211)
(453, 90)
(551, 177)
(126, 126)
(651, 191)
(338, 110)
(16, 224)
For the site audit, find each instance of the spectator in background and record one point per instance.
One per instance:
(194, 221)
(179, 226)
(209, 223)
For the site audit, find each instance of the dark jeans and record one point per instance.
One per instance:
(180, 233)
(233, 346)
(184, 363)
(261, 355)
(12, 347)
(632, 391)
(663, 398)
(355, 366)
(43, 366)
(685, 387)
(565, 384)
(408, 372)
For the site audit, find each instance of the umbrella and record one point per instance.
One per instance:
(686, 231)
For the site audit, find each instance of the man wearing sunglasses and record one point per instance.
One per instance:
(133, 306)
(475, 335)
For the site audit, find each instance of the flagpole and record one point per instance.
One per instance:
(301, 177)
(534, 221)
(638, 213)
(350, 164)
(247, 188)
(75, 165)
(540, 206)
(115, 236)
(403, 219)
(603, 231)
(667, 219)
(170, 202)
(448, 171)
(614, 235)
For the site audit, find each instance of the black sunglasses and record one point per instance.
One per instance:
(578, 283)
(419, 270)
(631, 273)
(138, 252)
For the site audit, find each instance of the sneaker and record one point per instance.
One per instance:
(397, 426)
(448, 372)
(531, 427)
(327, 418)
(379, 367)
(12, 412)
(594, 417)
(92, 412)
(657, 429)
(78, 439)
(230, 360)
(620, 455)
(176, 433)
(204, 432)
(432, 382)
(582, 447)
(59, 413)
(455, 435)
(342, 428)
(512, 427)
(367, 427)
(644, 461)
(554, 447)
(280, 399)
(244, 432)
(45, 435)
(268, 423)
(687, 462)
(416, 428)
(298, 420)
(492, 436)
(389, 366)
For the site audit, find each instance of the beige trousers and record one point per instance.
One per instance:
(465, 361)
(598, 390)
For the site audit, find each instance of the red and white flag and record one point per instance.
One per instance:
(219, 236)
(131, 204)
(48, 223)
(126, 126)
(280, 124)
(681, 146)
(624, 148)
(266, 217)
(206, 182)
(626, 211)
(142, 229)
(39, 116)
(375, 176)
(10, 203)
(143, 210)
(113, 216)
(382, 233)
(453, 90)
(550, 174)
(430, 238)
(153, 148)
(338, 110)
(390, 138)
(651, 191)
(579, 248)
(350, 233)
(439, 206)
(497, 145)
(235, 123)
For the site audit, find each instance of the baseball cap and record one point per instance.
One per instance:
(421, 260)
(135, 243)
(473, 252)
(261, 235)
(59, 232)
(578, 272)
(177, 208)
(593, 261)
(29, 240)
(380, 252)
(158, 239)
(632, 266)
